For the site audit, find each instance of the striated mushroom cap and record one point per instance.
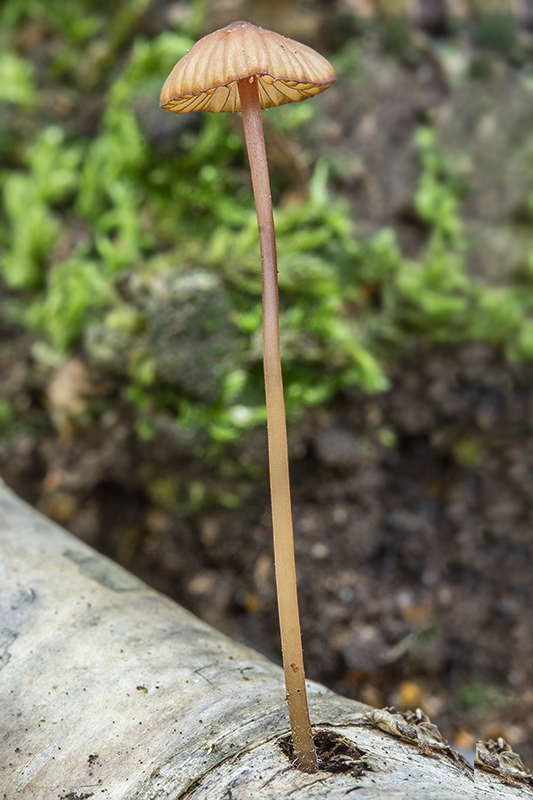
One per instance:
(205, 79)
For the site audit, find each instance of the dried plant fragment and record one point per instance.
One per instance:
(415, 727)
(498, 757)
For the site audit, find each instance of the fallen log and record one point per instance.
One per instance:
(108, 689)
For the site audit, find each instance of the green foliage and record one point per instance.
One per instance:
(16, 80)
(484, 698)
(182, 498)
(75, 288)
(435, 297)
(31, 198)
(7, 413)
(146, 192)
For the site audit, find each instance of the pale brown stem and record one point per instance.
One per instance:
(291, 641)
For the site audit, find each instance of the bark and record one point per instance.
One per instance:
(108, 689)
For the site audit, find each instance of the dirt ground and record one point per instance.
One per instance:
(413, 519)
(413, 509)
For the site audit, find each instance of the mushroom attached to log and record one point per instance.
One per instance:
(245, 68)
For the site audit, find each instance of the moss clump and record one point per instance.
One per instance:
(92, 199)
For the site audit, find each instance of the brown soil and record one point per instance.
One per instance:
(413, 524)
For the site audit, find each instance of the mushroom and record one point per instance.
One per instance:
(245, 68)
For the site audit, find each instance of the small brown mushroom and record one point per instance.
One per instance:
(207, 77)
(245, 68)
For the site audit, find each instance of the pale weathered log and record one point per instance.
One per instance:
(108, 689)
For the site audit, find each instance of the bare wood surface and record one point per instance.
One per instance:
(108, 689)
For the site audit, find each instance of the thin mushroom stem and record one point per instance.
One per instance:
(291, 643)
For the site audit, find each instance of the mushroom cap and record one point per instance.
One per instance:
(205, 79)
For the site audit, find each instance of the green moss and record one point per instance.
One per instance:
(484, 698)
(7, 414)
(139, 194)
(16, 80)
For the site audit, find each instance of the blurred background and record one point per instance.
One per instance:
(131, 394)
